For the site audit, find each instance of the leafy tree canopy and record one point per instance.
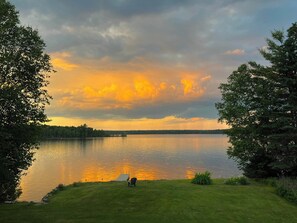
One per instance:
(24, 72)
(259, 103)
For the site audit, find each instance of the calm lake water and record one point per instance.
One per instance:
(147, 157)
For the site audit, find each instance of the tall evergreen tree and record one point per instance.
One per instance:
(260, 105)
(24, 69)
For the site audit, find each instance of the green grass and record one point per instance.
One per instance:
(157, 201)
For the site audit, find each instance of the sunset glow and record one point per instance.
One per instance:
(145, 64)
(170, 122)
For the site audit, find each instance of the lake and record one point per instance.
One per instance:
(147, 157)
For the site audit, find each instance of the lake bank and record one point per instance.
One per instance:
(157, 201)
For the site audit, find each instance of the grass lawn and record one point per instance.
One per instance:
(157, 201)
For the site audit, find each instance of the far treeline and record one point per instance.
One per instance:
(83, 131)
(143, 132)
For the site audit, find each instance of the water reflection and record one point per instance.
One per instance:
(147, 157)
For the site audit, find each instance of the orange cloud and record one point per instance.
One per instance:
(132, 92)
(60, 61)
(192, 88)
(126, 86)
(145, 89)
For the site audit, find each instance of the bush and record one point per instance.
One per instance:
(272, 181)
(202, 178)
(76, 184)
(60, 187)
(287, 188)
(237, 181)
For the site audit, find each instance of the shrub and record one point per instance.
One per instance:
(243, 181)
(76, 184)
(272, 181)
(202, 178)
(237, 181)
(287, 188)
(60, 187)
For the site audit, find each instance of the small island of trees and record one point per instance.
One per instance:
(82, 131)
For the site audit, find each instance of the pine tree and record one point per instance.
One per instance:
(260, 105)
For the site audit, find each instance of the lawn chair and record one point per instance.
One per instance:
(132, 182)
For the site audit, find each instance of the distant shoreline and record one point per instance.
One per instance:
(83, 131)
(62, 138)
(168, 132)
(147, 132)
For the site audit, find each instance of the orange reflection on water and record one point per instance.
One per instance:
(146, 173)
(190, 174)
(92, 172)
(147, 157)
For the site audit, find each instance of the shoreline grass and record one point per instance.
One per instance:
(157, 201)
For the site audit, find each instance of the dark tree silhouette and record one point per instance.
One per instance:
(260, 105)
(82, 131)
(24, 70)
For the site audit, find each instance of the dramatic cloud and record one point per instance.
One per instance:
(59, 61)
(106, 88)
(139, 59)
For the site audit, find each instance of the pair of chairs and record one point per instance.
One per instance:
(132, 182)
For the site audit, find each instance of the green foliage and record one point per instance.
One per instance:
(259, 103)
(287, 188)
(237, 181)
(76, 184)
(24, 69)
(60, 187)
(272, 181)
(202, 178)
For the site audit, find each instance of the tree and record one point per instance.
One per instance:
(259, 103)
(24, 73)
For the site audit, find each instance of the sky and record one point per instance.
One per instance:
(148, 64)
